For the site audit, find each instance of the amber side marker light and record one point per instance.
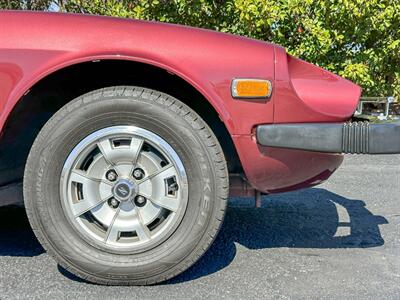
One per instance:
(251, 88)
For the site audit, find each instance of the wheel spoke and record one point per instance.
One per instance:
(113, 230)
(90, 192)
(84, 206)
(135, 147)
(169, 203)
(163, 173)
(106, 149)
(158, 195)
(81, 177)
(114, 155)
(141, 229)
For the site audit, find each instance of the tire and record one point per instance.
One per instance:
(70, 242)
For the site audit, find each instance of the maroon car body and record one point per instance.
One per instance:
(36, 45)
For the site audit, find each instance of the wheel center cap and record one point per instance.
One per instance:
(124, 189)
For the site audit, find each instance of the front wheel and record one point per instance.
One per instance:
(126, 185)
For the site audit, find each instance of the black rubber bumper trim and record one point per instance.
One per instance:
(351, 137)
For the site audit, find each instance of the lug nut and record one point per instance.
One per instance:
(138, 173)
(140, 201)
(111, 175)
(114, 203)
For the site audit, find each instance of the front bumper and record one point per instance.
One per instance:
(350, 137)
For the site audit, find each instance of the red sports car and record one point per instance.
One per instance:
(129, 135)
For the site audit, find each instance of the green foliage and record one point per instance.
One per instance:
(357, 39)
(25, 4)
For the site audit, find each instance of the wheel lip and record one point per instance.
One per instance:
(118, 130)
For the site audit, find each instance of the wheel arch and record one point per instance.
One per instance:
(24, 89)
(42, 97)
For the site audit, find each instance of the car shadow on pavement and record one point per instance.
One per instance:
(16, 235)
(311, 218)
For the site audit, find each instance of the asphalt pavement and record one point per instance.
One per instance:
(338, 240)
